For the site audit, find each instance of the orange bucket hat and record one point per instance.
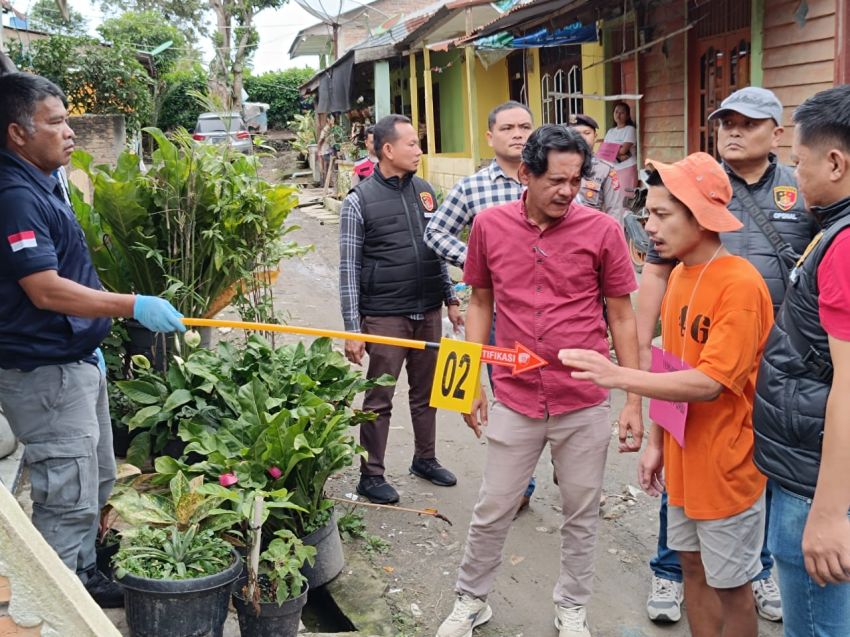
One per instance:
(702, 185)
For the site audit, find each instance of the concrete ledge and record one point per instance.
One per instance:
(332, 204)
(43, 590)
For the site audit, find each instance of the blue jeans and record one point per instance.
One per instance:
(666, 564)
(815, 611)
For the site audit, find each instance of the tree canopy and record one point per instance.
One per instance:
(145, 31)
(186, 15)
(97, 79)
(279, 89)
(44, 15)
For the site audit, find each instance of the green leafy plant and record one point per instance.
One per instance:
(169, 553)
(351, 525)
(280, 90)
(262, 417)
(97, 79)
(192, 227)
(184, 504)
(377, 545)
(279, 575)
(304, 127)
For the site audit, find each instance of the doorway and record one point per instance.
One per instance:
(719, 65)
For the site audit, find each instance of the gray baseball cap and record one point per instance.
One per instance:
(753, 102)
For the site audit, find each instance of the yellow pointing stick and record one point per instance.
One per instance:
(311, 331)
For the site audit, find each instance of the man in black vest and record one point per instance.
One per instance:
(392, 284)
(802, 426)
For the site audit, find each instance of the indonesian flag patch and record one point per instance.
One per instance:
(21, 240)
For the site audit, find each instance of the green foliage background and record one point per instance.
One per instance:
(145, 31)
(177, 106)
(102, 80)
(279, 89)
(44, 15)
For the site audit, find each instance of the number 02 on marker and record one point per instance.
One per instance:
(457, 376)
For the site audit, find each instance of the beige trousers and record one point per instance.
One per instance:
(579, 445)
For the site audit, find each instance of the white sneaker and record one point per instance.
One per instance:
(571, 622)
(768, 602)
(665, 600)
(468, 613)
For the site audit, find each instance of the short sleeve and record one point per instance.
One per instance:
(617, 274)
(630, 135)
(736, 331)
(26, 245)
(476, 272)
(834, 288)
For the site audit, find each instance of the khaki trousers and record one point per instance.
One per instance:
(579, 445)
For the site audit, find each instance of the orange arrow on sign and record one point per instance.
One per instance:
(521, 359)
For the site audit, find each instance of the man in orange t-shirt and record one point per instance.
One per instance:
(715, 317)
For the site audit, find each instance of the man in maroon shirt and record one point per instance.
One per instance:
(547, 262)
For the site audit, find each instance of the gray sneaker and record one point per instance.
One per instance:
(768, 602)
(664, 605)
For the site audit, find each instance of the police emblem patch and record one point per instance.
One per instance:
(427, 201)
(785, 197)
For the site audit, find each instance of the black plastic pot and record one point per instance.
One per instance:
(179, 608)
(273, 620)
(121, 438)
(105, 550)
(152, 345)
(330, 558)
(155, 346)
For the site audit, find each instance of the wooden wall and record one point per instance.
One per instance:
(798, 62)
(662, 72)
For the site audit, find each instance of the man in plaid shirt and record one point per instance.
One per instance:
(508, 127)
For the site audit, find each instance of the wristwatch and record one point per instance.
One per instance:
(452, 302)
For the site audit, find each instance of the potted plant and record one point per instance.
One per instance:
(270, 598)
(285, 423)
(190, 226)
(174, 565)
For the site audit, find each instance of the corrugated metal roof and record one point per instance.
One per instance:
(522, 13)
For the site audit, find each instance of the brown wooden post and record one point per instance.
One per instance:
(842, 42)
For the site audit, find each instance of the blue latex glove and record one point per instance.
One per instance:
(156, 314)
(101, 363)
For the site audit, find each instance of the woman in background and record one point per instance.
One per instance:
(624, 134)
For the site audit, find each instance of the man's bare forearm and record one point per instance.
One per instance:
(833, 493)
(621, 320)
(479, 316)
(653, 284)
(48, 291)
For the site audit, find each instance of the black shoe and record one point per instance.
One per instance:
(377, 490)
(431, 469)
(104, 591)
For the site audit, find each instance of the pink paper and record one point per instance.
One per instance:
(669, 415)
(608, 151)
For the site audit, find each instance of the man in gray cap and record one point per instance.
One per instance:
(601, 190)
(776, 231)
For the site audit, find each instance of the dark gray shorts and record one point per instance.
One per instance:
(730, 548)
